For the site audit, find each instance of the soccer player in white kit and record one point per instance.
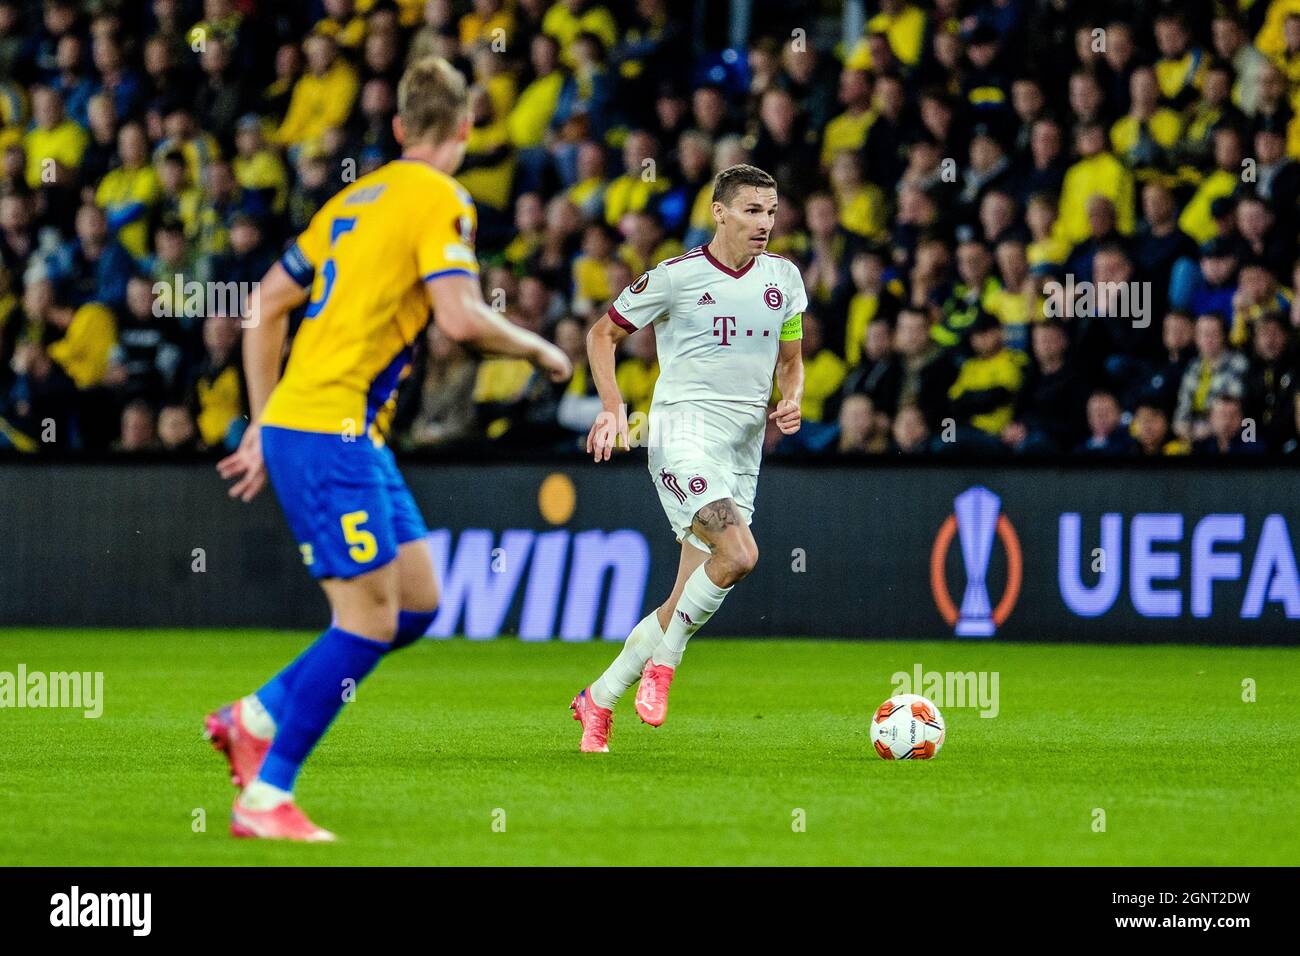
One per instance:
(726, 315)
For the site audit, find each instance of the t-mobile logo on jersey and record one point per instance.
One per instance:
(724, 326)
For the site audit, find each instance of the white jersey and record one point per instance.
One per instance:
(718, 332)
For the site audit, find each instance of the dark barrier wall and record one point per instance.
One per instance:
(576, 551)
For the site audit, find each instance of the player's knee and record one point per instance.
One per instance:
(736, 562)
(371, 615)
(423, 600)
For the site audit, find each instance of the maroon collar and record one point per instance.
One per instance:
(734, 273)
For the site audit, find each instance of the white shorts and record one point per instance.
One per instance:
(685, 487)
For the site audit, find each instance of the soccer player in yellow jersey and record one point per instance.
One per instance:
(368, 267)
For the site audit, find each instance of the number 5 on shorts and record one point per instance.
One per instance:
(364, 546)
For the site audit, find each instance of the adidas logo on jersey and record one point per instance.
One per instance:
(706, 299)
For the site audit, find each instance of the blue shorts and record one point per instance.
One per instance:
(346, 502)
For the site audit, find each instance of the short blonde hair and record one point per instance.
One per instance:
(431, 100)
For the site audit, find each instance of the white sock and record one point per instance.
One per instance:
(260, 795)
(700, 599)
(621, 674)
(256, 718)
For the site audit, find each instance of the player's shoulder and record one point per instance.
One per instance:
(408, 183)
(681, 267)
(783, 270)
(780, 264)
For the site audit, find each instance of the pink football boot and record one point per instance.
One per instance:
(652, 694)
(284, 821)
(226, 731)
(596, 723)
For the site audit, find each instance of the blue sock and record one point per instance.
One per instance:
(411, 626)
(316, 698)
(275, 692)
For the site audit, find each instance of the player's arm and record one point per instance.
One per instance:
(610, 426)
(463, 316)
(277, 295)
(789, 379)
(267, 327)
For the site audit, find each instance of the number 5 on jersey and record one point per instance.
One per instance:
(364, 547)
(329, 270)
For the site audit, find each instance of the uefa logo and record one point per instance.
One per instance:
(976, 521)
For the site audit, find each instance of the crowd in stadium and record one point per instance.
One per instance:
(940, 177)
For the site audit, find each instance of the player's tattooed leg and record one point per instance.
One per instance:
(714, 518)
(720, 525)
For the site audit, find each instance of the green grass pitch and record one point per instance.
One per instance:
(449, 738)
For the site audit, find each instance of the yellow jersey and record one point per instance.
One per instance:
(367, 255)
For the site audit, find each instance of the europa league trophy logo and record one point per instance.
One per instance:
(977, 519)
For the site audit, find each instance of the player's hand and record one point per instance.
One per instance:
(608, 431)
(786, 416)
(551, 360)
(245, 465)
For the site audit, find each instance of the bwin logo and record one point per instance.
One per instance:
(976, 520)
(134, 910)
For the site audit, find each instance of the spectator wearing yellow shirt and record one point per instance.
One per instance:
(530, 219)
(492, 72)
(871, 300)
(179, 198)
(590, 269)
(972, 294)
(983, 397)
(1144, 138)
(1271, 39)
(568, 18)
(1045, 247)
(13, 105)
(322, 97)
(530, 117)
(407, 14)
(1288, 61)
(488, 169)
(1181, 63)
(258, 168)
(53, 137)
(1197, 218)
(129, 193)
(499, 385)
(183, 136)
(848, 130)
(490, 22)
(1195, 147)
(903, 25)
(89, 335)
(1015, 302)
(342, 25)
(215, 394)
(642, 180)
(861, 204)
(1097, 172)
